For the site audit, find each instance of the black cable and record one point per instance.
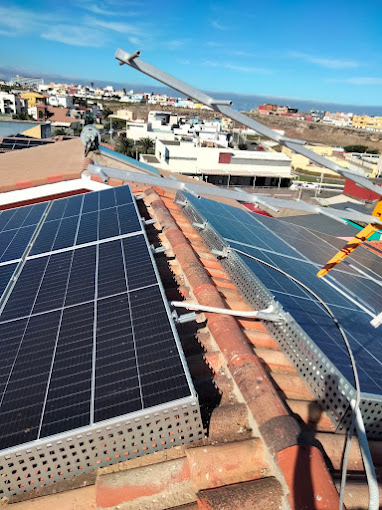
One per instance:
(353, 364)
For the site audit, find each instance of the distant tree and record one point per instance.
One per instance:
(106, 112)
(243, 146)
(92, 84)
(125, 146)
(77, 131)
(145, 145)
(355, 148)
(373, 151)
(23, 116)
(124, 92)
(59, 131)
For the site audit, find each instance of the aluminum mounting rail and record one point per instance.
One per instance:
(213, 191)
(224, 107)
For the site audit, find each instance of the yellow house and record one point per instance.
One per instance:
(367, 122)
(33, 98)
(303, 164)
(227, 124)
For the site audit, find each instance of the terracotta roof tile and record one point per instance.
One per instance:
(43, 164)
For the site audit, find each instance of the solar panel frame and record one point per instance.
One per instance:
(169, 423)
(330, 387)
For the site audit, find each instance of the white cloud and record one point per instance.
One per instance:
(116, 26)
(211, 63)
(98, 10)
(242, 54)
(329, 63)
(134, 40)
(175, 44)
(8, 33)
(247, 69)
(108, 7)
(216, 24)
(75, 35)
(234, 67)
(21, 21)
(213, 44)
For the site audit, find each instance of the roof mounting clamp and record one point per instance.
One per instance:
(190, 191)
(182, 203)
(221, 254)
(160, 249)
(184, 318)
(139, 197)
(377, 321)
(150, 221)
(200, 226)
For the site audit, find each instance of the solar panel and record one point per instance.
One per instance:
(89, 343)
(128, 160)
(19, 142)
(17, 227)
(353, 297)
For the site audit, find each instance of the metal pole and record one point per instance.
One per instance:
(214, 191)
(223, 108)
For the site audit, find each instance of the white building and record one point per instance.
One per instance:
(338, 119)
(10, 104)
(222, 166)
(27, 82)
(153, 130)
(65, 101)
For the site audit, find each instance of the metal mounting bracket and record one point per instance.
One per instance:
(184, 318)
(159, 249)
(200, 226)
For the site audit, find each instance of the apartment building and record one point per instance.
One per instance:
(367, 122)
(224, 167)
(10, 104)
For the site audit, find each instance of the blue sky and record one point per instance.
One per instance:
(328, 51)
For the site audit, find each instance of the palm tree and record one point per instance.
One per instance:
(125, 146)
(145, 145)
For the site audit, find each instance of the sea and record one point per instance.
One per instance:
(251, 102)
(247, 102)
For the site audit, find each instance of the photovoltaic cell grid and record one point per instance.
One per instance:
(86, 335)
(17, 227)
(300, 254)
(18, 143)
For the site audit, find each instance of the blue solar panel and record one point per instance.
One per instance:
(85, 333)
(6, 273)
(129, 161)
(87, 218)
(265, 239)
(17, 228)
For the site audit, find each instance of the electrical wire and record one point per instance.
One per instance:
(356, 412)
